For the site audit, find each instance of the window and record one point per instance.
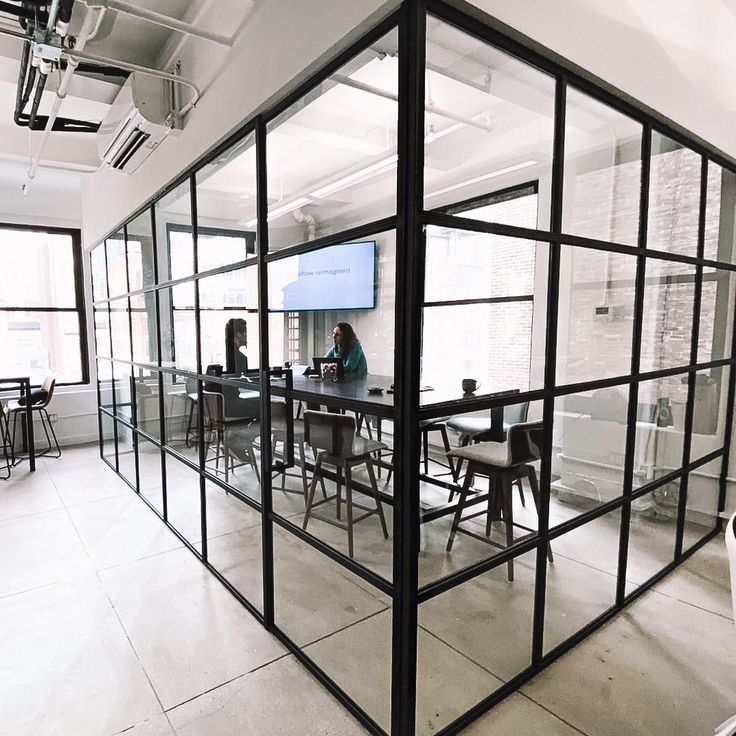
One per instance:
(42, 323)
(480, 289)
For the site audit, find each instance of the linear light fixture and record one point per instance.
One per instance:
(355, 177)
(484, 177)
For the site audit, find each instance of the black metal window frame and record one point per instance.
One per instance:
(409, 221)
(79, 308)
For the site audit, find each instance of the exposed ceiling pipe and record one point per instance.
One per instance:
(429, 106)
(89, 28)
(166, 21)
(104, 61)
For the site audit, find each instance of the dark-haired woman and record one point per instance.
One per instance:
(347, 346)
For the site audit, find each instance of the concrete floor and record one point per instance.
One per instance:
(109, 625)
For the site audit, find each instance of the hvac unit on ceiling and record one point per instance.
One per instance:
(139, 119)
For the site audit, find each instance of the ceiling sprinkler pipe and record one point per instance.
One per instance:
(173, 24)
(89, 28)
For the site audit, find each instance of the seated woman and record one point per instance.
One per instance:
(347, 346)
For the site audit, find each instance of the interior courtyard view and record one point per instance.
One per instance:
(368, 368)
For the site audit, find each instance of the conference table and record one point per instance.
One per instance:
(24, 385)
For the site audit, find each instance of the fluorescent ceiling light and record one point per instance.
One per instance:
(355, 177)
(282, 210)
(493, 174)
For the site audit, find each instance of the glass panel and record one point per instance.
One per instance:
(321, 294)
(174, 234)
(332, 155)
(588, 451)
(117, 271)
(37, 269)
(226, 206)
(178, 332)
(143, 324)
(602, 171)
(149, 463)
(701, 509)
(183, 501)
(659, 428)
(147, 402)
(120, 325)
(122, 379)
(709, 411)
(231, 416)
(36, 344)
(473, 527)
(581, 582)
(108, 438)
(493, 348)
(234, 542)
(461, 264)
(99, 273)
(126, 454)
(141, 265)
(328, 611)
(478, 634)
(652, 534)
(719, 214)
(104, 381)
(596, 315)
(101, 316)
(714, 337)
(179, 414)
(497, 339)
(488, 123)
(674, 197)
(223, 300)
(667, 321)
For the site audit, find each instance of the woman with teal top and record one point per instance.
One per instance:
(347, 346)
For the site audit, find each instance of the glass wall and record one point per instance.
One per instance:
(509, 364)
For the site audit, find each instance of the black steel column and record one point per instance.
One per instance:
(265, 389)
(692, 376)
(550, 368)
(641, 263)
(409, 292)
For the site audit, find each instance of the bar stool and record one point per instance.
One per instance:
(17, 409)
(279, 435)
(5, 439)
(333, 440)
(503, 463)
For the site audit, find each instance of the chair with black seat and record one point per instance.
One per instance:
(503, 463)
(481, 429)
(334, 441)
(192, 398)
(220, 430)
(40, 400)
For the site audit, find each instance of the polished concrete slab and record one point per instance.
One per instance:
(108, 625)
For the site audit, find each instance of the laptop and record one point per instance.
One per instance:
(331, 368)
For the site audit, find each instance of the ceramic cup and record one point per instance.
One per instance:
(470, 385)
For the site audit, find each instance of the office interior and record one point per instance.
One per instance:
(480, 211)
(523, 228)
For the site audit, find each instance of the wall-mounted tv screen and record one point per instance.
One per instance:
(339, 277)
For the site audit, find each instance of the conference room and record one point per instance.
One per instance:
(548, 360)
